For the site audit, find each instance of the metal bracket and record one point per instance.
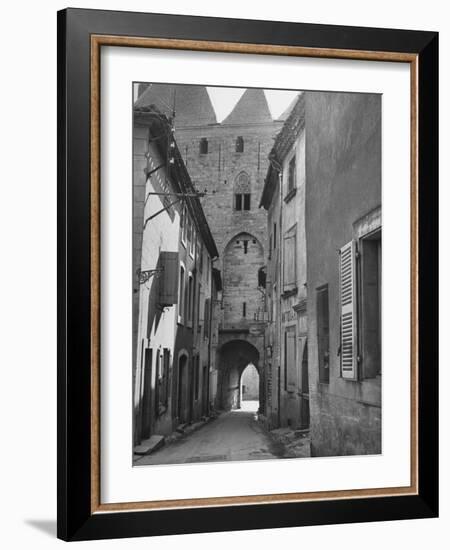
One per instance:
(147, 274)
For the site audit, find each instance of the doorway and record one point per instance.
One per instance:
(147, 395)
(304, 410)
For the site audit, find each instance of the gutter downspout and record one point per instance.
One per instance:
(279, 168)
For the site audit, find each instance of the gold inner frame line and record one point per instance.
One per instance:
(97, 41)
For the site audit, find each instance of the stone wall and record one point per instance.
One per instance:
(343, 183)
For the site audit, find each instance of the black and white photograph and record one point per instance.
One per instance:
(257, 274)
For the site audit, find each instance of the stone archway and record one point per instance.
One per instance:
(234, 357)
(250, 388)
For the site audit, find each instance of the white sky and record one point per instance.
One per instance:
(224, 99)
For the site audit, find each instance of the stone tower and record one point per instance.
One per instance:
(229, 160)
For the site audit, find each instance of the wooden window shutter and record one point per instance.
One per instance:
(347, 292)
(168, 281)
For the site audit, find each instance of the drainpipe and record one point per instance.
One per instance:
(279, 168)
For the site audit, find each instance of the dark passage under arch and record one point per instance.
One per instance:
(234, 357)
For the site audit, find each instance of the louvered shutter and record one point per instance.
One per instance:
(348, 311)
(168, 281)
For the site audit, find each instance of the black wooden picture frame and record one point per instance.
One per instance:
(79, 515)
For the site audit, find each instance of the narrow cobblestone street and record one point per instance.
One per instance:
(234, 435)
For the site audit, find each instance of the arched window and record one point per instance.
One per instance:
(239, 144)
(242, 194)
(203, 146)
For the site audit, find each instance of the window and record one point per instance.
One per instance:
(197, 375)
(189, 230)
(242, 201)
(323, 333)
(181, 295)
(200, 253)
(274, 236)
(292, 176)
(245, 243)
(192, 241)
(186, 303)
(290, 360)
(262, 277)
(206, 317)
(190, 300)
(183, 225)
(370, 311)
(203, 146)
(290, 260)
(197, 312)
(244, 309)
(274, 302)
(242, 192)
(239, 144)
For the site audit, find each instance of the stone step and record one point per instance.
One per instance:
(150, 445)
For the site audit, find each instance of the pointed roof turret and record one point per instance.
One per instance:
(252, 108)
(193, 106)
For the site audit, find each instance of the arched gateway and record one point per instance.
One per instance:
(234, 357)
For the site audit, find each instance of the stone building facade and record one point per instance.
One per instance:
(287, 385)
(228, 160)
(174, 286)
(323, 193)
(343, 236)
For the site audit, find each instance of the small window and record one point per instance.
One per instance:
(245, 243)
(192, 242)
(244, 309)
(274, 236)
(197, 308)
(242, 201)
(292, 179)
(186, 303)
(184, 224)
(206, 317)
(191, 292)
(203, 146)
(200, 255)
(181, 295)
(239, 144)
(290, 358)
